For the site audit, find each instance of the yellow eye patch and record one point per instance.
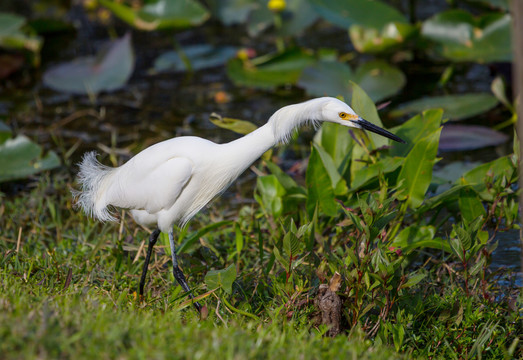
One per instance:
(345, 116)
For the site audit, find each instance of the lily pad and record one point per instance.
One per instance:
(455, 107)
(378, 78)
(372, 40)
(269, 70)
(20, 158)
(368, 13)
(13, 35)
(160, 14)
(459, 36)
(469, 137)
(231, 12)
(297, 15)
(107, 71)
(200, 57)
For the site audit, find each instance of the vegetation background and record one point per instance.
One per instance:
(417, 243)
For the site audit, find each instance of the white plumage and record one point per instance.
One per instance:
(171, 181)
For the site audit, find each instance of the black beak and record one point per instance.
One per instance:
(364, 124)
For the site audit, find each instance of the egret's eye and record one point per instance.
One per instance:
(345, 116)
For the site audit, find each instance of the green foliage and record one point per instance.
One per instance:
(462, 37)
(15, 35)
(455, 107)
(21, 158)
(379, 79)
(107, 71)
(269, 70)
(160, 14)
(374, 236)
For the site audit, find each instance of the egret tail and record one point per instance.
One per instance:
(93, 178)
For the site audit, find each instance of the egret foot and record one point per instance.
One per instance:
(178, 273)
(152, 241)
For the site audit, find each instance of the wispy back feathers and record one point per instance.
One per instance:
(93, 178)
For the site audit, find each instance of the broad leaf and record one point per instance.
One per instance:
(319, 187)
(331, 78)
(470, 205)
(221, 279)
(469, 137)
(270, 70)
(416, 174)
(20, 158)
(160, 14)
(13, 36)
(372, 40)
(200, 57)
(369, 13)
(415, 129)
(338, 183)
(455, 107)
(459, 36)
(108, 71)
(415, 237)
(336, 141)
(369, 173)
(271, 192)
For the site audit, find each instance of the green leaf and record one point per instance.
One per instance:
(13, 36)
(416, 129)
(271, 192)
(20, 158)
(446, 198)
(378, 78)
(5, 132)
(364, 106)
(202, 56)
(338, 183)
(455, 107)
(369, 173)
(270, 70)
(499, 90)
(160, 14)
(413, 280)
(221, 279)
(459, 36)
(415, 237)
(371, 40)
(239, 239)
(195, 236)
(291, 244)
(416, 174)
(319, 187)
(369, 13)
(337, 142)
(283, 261)
(238, 126)
(107, 71)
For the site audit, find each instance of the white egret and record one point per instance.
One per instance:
(169, 182)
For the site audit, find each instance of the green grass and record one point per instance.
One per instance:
(70, 292)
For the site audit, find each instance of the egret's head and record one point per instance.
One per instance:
(338, 112)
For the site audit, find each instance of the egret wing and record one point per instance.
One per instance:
(150, 188)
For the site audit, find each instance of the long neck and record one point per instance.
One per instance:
(278, 129)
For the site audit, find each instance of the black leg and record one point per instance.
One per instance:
(178, 274)
(152, 241)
